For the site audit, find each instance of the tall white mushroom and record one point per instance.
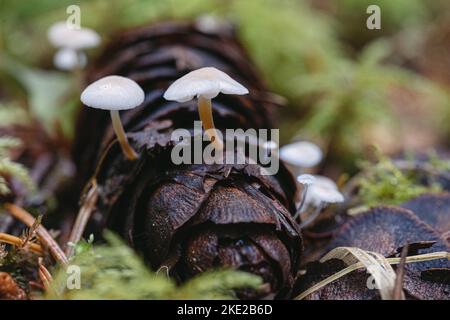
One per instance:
(205, 84)
(299, 155)
(305, 180)
(73, 41)
(115, 93)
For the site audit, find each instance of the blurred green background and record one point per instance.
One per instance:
(348, 87)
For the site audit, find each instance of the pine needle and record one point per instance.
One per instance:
(45, 276)
(83, 217)
(375, 264)
(16, 241)
(44, 236)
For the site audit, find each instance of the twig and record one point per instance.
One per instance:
(82, 218)
(45, 276)
(44, 237)
(16, 241)
(398, 288)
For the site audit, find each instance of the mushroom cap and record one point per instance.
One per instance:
(323, 190)
(212, 24)
(306, 179)
(62, 36)
(69, 59)
(206, 82)
(113, 93)
(325, 182)
(326, 195)
(301, 154)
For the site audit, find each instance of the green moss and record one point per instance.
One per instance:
(114, 271)
(384, 183)
(10, 169)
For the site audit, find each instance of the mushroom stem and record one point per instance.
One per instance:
(302, 201)
(312, 216)
(205, 112)
(121, 136)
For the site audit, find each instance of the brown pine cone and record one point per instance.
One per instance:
(190, 218)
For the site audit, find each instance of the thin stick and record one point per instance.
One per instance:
(45, 276)
(359, 265)
(44, 237)
(302, 201)
(398, 287)
(16, 241)
(82, 218)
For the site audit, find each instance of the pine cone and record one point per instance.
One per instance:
(191, 218)
(9, 290)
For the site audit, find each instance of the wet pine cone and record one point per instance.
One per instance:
(191, 218)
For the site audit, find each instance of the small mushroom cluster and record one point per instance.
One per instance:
(316, 191)
(116, 93)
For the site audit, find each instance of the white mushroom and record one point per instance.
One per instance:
(205, 84)
(71, 42)
(69, 59)
(212, 24)
(62, 36)
(305, 180)
(302, 154)
(115, 93)
(321, 192)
